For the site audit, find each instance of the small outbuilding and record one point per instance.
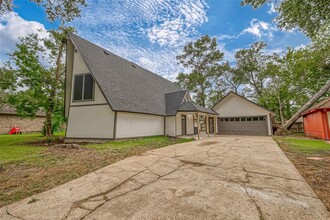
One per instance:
(317, 120)
(240, 116)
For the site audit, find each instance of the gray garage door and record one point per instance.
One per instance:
(256, 125)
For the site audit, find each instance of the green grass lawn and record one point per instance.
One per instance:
(312, 159)
(122, 145)
(13, 148)
(304, 145)
(27, 169)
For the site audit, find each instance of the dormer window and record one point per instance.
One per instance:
(83, 87)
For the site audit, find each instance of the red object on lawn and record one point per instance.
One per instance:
(15, 130)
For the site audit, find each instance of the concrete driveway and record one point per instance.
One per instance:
(227, 177)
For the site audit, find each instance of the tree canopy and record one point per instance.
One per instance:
(310, 16)
(39, 76)
(63, 10)
(202, 59)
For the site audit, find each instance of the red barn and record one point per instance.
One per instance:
(317, 120)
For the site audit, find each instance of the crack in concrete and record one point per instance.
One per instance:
(8, 213)
(270, 175)
(79, 203)
(261, 215)
(123, 194)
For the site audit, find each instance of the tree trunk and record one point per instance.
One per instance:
(53, 93)
(48, 124)
(308, 104)
(280, 109)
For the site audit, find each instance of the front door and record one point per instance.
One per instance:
(211, 125)
(183, 125)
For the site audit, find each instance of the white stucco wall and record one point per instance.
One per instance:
(90, 122)
(170, 126)
(138, 125)
(235, 106)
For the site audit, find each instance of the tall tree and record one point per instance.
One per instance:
(7, 83)
(64, 10)
(202, 59)
(40, 68)
(308, 15)
(227, 82)
(251, 65)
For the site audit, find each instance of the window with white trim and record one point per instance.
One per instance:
(83, 87)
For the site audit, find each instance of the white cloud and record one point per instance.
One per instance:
(12, 27)
(148, 32)
(272, 8)
(260, 29)
(178, 28)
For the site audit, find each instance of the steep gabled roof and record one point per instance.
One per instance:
(126, 86)
(242, 97)
(173, 101)
(190, 107)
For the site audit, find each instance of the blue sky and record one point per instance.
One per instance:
(152, 32)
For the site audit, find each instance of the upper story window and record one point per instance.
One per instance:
(83, 87)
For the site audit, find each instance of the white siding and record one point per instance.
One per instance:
(80, 67)
(178, 124)
(235, 106)
(90, 122)
(138, 125)
(190, 124)
(170, 126)
(85, 119)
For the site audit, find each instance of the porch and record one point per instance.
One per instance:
(197, 124)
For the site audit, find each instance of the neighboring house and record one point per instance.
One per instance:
(10, 119)
(108, 97)
(317, 120)
(241, 116)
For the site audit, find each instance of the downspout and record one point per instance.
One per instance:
(115, 126)
(164, 125)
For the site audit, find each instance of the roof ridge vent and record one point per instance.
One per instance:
(106, 52)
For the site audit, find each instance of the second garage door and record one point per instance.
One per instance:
(256, 125)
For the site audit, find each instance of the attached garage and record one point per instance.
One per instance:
(240, 116)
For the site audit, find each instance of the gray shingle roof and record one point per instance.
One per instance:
(126, 86)
(190, 107)
(173, 101)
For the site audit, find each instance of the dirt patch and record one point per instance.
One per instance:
(47, 142)
(315, 169)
